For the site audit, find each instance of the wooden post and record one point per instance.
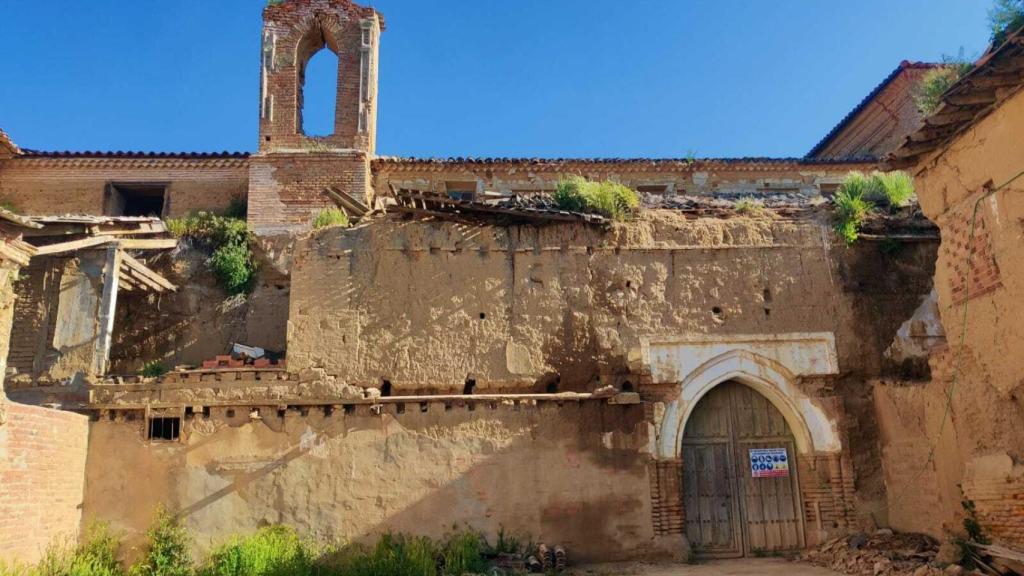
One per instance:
(108, 305)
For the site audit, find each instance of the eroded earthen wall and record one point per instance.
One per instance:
(970, 416)
(573, 474)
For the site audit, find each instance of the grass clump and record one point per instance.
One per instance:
(232, 261)
(330, 217)
(860, 194)
(577, 194)
(748, 207)
(1004, 18)
(394, 555)
(462, 553)
(935, 82)
(153, 369)
(168, 549)
(851, 208)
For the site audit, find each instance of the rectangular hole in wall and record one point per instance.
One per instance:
(461, 190)
(164, 428)
(135, 199)
(653, 188)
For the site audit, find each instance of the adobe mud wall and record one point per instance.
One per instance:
(428, 307)
(573, 474)
(978, 454)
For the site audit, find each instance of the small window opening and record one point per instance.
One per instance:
(135, 199)
(328, 410)
(461, 190)
(627, 386)
(230, 413)
(206, 412)
(483, 316)
(188, 412)
(717, 311)
(400, 408)
(552, 387)
(320, 93)
(164, 428)
(350, 408)
(385, 388)
(424, 407)
(470, 385)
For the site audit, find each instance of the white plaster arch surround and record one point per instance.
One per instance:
(768, 363)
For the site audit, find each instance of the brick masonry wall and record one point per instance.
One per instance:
(42, 478)
(292, 33)
(78, 185)
(979, 277)
(287, 190)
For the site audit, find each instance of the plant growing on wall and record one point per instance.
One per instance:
(153, 369)
(232, 261)
(748, 207)
(935, 82)
(860, 194)
(330, 217)
(1004, 18)
(611, 199)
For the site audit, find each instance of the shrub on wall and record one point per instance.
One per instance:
(577, 194)
(168, 549)
(232, 261)
(330, 217)
(1004, 18)
(935, 82)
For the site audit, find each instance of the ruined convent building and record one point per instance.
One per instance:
(719, 375)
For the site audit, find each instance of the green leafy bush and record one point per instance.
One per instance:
(233, 268)
(168, 549)
(153, 369)
(95, 556)
(330, 217)
(577, 194)
(232, 261)
(273, 551)
(1004, 18)
(935, 82)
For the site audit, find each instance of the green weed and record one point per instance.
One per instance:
(153, 369)
(330, 217)
(232, 261)
(168, 550)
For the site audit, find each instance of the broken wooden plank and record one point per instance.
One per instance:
(146, 272)
(71, 246)
(148, 243)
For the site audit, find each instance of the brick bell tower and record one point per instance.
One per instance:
(290, 173)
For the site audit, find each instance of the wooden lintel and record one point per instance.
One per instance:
(971, 98)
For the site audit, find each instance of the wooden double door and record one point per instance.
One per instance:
(740, 488)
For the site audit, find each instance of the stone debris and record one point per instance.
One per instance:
(882, 554)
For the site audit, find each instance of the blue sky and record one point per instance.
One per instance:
(480, 78)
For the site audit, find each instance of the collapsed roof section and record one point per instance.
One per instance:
(996, 76)
(70, 233)
(501, 210)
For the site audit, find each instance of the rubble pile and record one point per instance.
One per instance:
(882, 554)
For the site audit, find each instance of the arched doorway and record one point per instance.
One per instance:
(741, 494)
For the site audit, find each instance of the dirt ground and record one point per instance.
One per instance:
(739, 567)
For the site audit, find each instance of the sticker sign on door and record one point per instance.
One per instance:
(769, 462)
